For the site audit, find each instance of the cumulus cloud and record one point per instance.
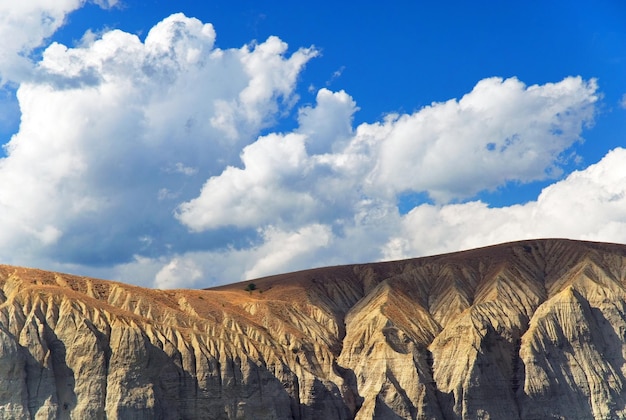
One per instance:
(178, 273)
(279, 251)
(113, 132)
(328, 125)
(254, 195)
(501, 131)
(282, 249)
(282, 179)
(156, 162)
(588, 204)
(24, 26)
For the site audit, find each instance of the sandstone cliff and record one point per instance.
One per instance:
(529, 330)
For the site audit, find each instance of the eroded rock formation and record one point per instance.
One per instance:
(529, 330)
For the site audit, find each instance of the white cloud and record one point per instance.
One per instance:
(279, 251)
(281, 182)
(178, 273)
(254, 195)
(328, 125)
(143, 161)
(588, 204)
(443, 149)
(25, 25)
(501, 131)
(113, 131)
(282, 249)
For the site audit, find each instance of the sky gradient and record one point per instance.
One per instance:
(183, 144)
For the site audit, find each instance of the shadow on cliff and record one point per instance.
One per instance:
(490, 384)
(51, 386)
(219, 388)
(601, 347)
(611, 352)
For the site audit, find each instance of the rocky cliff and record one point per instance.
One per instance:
(529, 330)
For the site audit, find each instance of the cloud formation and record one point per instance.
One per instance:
(24, 26)
(501, 131)
(157, 162)
(589, 204)
(115, 134)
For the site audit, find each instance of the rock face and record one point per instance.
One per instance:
(529, 330)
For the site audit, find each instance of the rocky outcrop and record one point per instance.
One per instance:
(528, 330)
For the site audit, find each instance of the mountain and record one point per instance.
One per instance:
(530, 330)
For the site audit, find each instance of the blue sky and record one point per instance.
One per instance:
(187, 144)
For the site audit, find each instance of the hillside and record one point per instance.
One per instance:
(531, 330)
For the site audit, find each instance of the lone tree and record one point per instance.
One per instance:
(250, 287)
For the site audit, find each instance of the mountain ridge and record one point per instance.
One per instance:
(493, 332)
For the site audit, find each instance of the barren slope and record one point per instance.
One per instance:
(532, 329)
